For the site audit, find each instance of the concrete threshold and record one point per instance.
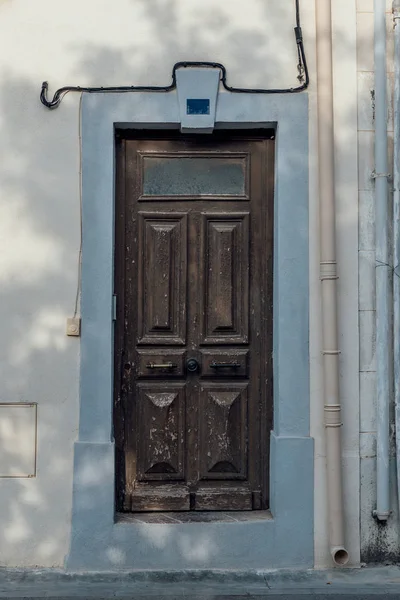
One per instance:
(377, 582)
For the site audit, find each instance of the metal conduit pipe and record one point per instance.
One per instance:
(382, 266)
(396, 234)
(329, 278)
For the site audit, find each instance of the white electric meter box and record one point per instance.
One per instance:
(197, 96)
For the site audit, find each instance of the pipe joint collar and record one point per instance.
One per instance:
(332, 415)
(328, 270)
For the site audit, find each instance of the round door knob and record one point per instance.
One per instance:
(192, 365)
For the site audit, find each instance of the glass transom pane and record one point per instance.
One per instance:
(194, 175)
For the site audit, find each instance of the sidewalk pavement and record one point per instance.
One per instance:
(355, 584)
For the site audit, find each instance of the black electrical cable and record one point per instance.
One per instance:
(302, 67)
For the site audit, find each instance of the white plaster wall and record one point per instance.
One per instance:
(378, 542)
(136, 42)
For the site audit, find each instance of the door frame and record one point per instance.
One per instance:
(98, 541)
(266, 313)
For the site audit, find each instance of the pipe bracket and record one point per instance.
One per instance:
(381, 515)
(375, 175)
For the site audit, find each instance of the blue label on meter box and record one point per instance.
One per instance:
(197, 106)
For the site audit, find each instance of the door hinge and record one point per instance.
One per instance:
(114, 307)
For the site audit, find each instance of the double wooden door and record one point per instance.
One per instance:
(193, 279)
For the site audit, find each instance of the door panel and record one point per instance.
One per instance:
(164, 497)
(160, 417)
(162, 363)
(223, 431)
(193, 361)
(225, 498)
(162, 266)
(224, 363)
(224, 265)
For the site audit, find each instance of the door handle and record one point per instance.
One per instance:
(234, 365)
(169, 365)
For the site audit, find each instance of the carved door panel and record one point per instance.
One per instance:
(193, 370)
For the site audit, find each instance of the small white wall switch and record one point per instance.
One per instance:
(74, 326)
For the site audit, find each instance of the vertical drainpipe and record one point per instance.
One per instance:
(396, 233)
(382, 267)
(329, 281)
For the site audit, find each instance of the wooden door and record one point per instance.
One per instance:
(193, 280)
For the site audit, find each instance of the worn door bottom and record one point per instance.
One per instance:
(194, 517)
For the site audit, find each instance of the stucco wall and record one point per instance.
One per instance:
(379, 542)
(136, 42)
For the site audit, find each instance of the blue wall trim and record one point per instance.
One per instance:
(97, 542)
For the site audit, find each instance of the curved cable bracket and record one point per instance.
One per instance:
(302, 68)
(60, 93)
